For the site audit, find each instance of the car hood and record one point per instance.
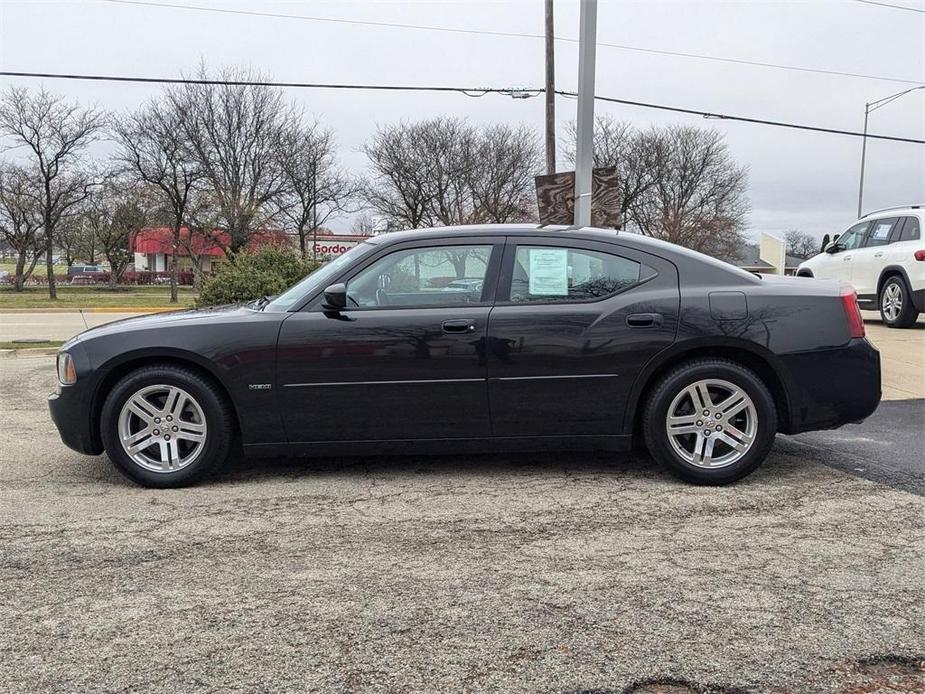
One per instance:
(152, 321)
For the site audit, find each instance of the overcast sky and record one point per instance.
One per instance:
(796, 179)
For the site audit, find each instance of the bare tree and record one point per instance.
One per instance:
(637, 156)
(399, 189)
(114, 216)
(316, 188)
(364, 224)
(506, 160)
(202, 237)
(21, 220)
(56, 133)
(445, 171)
(799, 244)
(73, 237)
(235, 132)
(154, 151)
(698, 199)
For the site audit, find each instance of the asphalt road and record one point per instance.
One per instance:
(534, 573)
(888, 447)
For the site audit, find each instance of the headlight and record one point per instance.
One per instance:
(67, 374)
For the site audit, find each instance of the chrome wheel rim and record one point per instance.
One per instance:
(162, 428)
(892, 303)
(712, 423)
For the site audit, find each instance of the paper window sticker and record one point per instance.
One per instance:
(548, 272)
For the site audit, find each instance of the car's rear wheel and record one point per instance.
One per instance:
(710, 421)
(166, 426)
(896, 307)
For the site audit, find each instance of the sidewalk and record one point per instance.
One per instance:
(57, 325)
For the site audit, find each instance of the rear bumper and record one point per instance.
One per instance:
(829, 388)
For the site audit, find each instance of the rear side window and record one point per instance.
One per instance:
(880, 230)
(911, 229)
(549, 274)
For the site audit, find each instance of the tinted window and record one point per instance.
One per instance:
(551, 274)
(419, 277)
(852, 238)
(880, 230)
(911, 230)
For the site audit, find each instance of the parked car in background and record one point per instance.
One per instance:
(576, 339)
(75, 270)
(883, 256)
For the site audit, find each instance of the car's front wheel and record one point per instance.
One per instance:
(896, 307)
(710, 421)
(166, 426)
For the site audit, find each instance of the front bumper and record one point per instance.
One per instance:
(71, 407)
(71, 413)
(832, 387)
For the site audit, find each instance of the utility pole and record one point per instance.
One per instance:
(584, 154)
(550, 89)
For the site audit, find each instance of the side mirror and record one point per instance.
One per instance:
(832, 248)
(335, 297)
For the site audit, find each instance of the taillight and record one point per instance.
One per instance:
(919, 255)
(849, 301)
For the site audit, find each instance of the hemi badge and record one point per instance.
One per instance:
(260, 386)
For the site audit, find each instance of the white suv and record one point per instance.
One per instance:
(883, 256)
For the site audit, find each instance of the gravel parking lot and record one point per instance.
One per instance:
(550, 573)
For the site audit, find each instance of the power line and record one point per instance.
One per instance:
(891, 6)
(468, 91)
(507, 34)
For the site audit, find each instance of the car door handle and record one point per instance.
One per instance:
(460, 325)
(643, 320)
(878, 254)
(846, 258)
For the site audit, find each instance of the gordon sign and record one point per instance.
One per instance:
(336, 245)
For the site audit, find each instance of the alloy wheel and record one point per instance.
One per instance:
(892, 303)
(162, 428)
(712, 423)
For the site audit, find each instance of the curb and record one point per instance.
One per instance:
(99, 309)
(25, 352)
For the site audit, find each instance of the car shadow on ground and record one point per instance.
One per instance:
(628, 466)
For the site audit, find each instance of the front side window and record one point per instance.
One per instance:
(422, 277)
(556, 274)
(879, 234)
(852, 238)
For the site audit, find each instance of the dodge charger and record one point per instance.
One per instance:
(478, 338)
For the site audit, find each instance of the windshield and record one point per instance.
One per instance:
(318, 280)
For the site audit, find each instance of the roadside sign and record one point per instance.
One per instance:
(555, 197)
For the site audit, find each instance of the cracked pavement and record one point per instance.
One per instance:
(515, 573)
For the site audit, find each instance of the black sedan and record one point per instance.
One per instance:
(469, 339)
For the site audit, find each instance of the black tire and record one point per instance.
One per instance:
(219, 422)
(907, 314)
(676, 381)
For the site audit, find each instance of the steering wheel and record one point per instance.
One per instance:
(355, 302)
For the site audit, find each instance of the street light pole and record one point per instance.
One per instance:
(863, 159)
(584, 149)
(868, 109)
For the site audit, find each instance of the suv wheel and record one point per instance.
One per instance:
(710, 421)
(166, 426)
(896, 307)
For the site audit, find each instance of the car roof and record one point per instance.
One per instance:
(894, 211)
